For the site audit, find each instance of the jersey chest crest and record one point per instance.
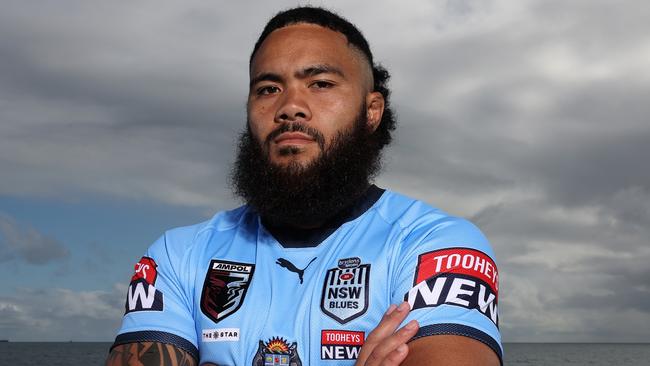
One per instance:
(346, 290)
(224, 288)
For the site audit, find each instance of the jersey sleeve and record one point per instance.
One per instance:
(158, 305)
(446, 271)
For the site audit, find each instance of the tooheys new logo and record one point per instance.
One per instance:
(142, 294)
(457, 276)
(340, 344)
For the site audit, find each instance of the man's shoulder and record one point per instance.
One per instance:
(419, 219)
(221, 221)
(405, 211)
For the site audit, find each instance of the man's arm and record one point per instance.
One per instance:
(149, 354)
(386, 345)
(449, 350)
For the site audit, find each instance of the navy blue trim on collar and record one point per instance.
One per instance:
(290, 237)
(462, 330)
(157, 336)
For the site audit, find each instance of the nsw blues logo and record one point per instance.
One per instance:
(345, 290)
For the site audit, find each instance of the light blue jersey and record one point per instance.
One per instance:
(230, 293)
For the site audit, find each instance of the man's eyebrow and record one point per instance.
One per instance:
(308, 71)
(266, 76)
(314, 70)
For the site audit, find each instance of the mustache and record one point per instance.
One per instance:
(296, 127)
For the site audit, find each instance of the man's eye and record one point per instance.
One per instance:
(322, 84)
(267, 90)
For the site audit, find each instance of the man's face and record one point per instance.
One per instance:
(307, 85)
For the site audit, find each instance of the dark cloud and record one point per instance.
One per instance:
(529, 117)
(567, 271)
(27, 244)
(82, 97)
(586, 170)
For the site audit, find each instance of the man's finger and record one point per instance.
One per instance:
(391, 320)
(385, 337)
(392, 347)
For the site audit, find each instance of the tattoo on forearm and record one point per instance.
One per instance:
(149, 354)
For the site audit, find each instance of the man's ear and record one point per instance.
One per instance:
(374, 109)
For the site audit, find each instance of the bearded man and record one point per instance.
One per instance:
(320, 266)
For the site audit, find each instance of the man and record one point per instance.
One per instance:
(320, 266)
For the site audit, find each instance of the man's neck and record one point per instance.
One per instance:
(321, 222)
(292, 235)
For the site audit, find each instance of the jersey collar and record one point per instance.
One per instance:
(291, 237)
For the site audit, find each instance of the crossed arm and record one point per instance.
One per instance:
(385, 346)
(149, 354)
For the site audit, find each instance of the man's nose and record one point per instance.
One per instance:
(293, 107)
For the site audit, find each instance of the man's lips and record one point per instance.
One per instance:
(293, 138)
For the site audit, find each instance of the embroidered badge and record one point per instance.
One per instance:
(277, 352)
(345, 290)
(224, 288)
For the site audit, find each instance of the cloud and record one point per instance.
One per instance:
(138, 90)
(28, 244)
(535, 126)
(569, 273)
(48, 315)
(529, 117)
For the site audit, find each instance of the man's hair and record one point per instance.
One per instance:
(328, 19)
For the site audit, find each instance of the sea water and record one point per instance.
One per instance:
(516, 354)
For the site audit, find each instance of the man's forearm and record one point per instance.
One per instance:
(149, 354)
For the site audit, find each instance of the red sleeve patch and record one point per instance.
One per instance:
(465, 261)
(142, 294)
(456, 276)
(145, 269)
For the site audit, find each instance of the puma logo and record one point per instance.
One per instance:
(291, 267)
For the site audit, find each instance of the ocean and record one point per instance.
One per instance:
(577, 354)
(538, 354)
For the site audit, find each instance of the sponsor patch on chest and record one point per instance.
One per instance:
(224, 288)
(345, 291)
(340, 344)
(220, 335)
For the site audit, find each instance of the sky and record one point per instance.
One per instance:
(530, 118)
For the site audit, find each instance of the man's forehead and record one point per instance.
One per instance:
(324, 46)
(297, 46)
(306, 30)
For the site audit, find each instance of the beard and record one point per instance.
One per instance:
(306, 195)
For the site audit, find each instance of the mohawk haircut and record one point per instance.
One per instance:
(328, 19)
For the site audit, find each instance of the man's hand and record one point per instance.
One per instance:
(385, 345)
